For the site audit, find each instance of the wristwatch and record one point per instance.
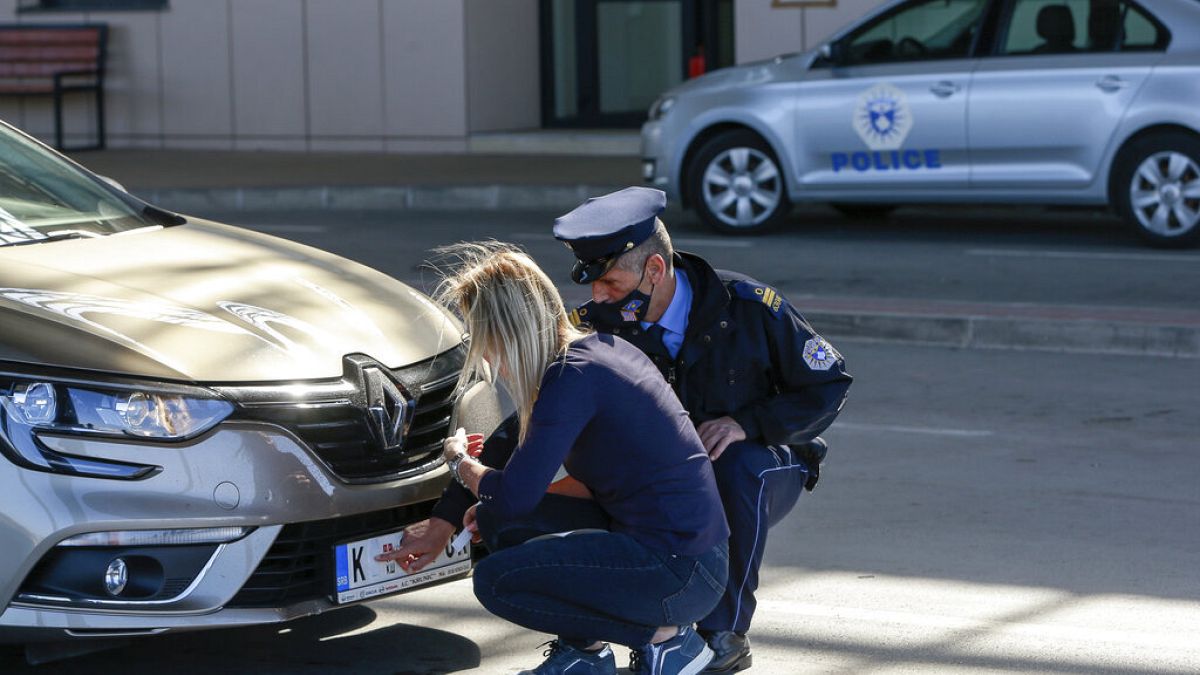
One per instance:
(453, 464)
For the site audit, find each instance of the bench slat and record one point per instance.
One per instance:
(57, 36)
(25, 69)
(69, 53)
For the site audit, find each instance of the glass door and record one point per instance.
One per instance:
(605, 61)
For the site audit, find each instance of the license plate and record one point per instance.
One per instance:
(360, 576)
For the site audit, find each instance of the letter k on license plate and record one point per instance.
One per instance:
(360, 576)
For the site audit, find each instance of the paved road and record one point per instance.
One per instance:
(981, 511)
(997, 256)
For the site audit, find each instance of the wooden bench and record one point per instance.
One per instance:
(53, 60)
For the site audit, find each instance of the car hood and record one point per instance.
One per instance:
(204, 302)
(756, 72)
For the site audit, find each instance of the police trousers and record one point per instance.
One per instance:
(759, 485)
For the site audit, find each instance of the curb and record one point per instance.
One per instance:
(975, 332)
(353, 198)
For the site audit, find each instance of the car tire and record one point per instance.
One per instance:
(736, 184)
(864, 211)
(1156, 189)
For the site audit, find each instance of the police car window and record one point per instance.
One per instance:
(932, 29)
(1078, 26)
(1141, 33)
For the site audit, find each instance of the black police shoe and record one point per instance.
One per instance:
(731, 651)
(563, 659)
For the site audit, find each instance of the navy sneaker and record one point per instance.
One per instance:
(684, 654)
(563, 659)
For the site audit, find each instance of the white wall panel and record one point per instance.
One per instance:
(133, 83)
(345, 77)
(268, 74)
(197, 89)
(503, 68)
(762, 31)
(424, 68)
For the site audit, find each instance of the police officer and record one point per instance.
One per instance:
(759, 383)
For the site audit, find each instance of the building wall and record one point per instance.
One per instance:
(354, 75)
(503, 81)
(340, 75)
(763, 31)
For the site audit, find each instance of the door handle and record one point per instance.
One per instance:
(944, 88)
(1111, 83)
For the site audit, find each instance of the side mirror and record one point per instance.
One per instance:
(831, 53)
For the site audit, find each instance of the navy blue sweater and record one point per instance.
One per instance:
(607, 415)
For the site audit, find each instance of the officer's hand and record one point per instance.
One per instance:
(716, 435)
(422, 542)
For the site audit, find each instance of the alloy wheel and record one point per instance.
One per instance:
(742, 187)
(1165, 194)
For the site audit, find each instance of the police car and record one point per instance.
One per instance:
(202, 426)
(1074, 102)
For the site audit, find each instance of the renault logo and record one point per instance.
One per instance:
(388, 406)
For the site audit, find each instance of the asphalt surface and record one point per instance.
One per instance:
(980, 512)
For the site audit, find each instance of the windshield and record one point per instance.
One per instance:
(43, 198)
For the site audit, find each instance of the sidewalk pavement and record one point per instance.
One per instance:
(208, 181)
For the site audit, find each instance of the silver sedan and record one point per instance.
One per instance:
(1086, 102)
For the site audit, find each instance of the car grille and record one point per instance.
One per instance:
(341, 435)
(337, 428)
(299, 565)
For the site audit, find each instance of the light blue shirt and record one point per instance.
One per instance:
(674, 321)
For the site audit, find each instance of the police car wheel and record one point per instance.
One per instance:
(863, 211)
(1156, 186)
(736, 184)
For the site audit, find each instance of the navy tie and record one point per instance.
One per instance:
(656, 333)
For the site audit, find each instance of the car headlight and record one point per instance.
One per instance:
(661, 107)
(30, 407)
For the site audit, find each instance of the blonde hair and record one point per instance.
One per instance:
(513, 314)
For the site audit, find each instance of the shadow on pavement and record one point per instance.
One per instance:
(322, 644)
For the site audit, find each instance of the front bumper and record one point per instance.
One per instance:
(655, 164)
(241, 474)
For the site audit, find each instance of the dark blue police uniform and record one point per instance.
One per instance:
(747, 354)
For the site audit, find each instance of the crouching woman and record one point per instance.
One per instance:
(595, 406)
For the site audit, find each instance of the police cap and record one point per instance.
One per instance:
(599, 230)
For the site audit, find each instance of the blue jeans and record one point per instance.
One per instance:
(596, 585)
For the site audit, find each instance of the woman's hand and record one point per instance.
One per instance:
(421, 544)
(461, 441)
(452, 446)
(471, 525)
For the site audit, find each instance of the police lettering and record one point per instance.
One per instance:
(887, 160)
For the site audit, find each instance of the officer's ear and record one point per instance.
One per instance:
(656, 269)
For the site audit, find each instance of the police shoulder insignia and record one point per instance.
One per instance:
(579, 316)
(752, 290)
(819, 354)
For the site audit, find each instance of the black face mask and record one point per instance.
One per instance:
(631, 308)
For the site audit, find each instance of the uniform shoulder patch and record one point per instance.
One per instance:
(819, 354)
(756, 292)
(579, 315)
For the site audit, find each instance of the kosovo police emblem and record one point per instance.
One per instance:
(629, 311)
(882, 117)
(819, 354)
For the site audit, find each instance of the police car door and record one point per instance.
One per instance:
(886, 106)
(1044, 107)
